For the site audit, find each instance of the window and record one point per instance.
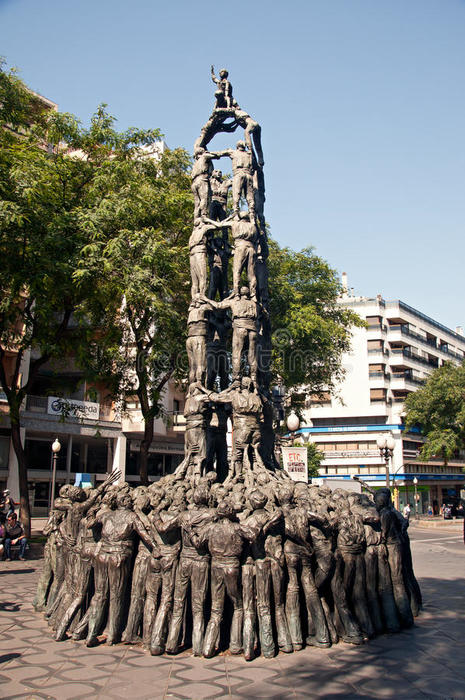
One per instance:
(324, 398)
(377, 395)
(373, 322)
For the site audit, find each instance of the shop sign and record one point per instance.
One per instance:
(295, 462)
(72, 408)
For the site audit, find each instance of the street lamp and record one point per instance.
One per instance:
(395, 487)
(56, 447)
(386, 448)
(293, 423)
(415, 483)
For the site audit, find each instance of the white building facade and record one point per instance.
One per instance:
(389, 359)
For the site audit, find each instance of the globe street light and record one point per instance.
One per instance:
(386, 448)
(56, 447)
(293, 423)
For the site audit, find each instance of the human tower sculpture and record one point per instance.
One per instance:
(299, 564)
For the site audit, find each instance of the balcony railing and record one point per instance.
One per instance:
(377, 327)
(405, 330)
(409, 377)
(451, 353)
(378, 351)
(413, 356)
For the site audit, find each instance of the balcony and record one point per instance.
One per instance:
(410, 454)
(411, 334)
(450, 353)
(397, 353)
(406, 376)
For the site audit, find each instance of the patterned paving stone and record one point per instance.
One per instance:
(73, 691)
(199, 691)
(396, 687)
(263, 690)
(134, 690)
(199, 673)
(441, 686)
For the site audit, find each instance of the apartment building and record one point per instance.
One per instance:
(389, 359)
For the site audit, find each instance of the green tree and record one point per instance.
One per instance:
(438, 409)
(143, 273)
(315, 457)
(310, 329)
(60, 184)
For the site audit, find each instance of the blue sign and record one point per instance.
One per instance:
(83, 480)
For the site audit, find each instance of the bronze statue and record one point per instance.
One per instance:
(300, 564)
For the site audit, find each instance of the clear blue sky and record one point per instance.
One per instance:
(361, 102)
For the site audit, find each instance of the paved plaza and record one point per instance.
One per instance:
(425, 662)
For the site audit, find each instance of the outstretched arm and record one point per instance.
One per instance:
(89, 502)
(94, 517)
(171, 522)
(214, 78)
(199, 536)
(317, 518)
(223, 397)
(275, 518)
(221, 154)
(218, 224)
(225, 304)
(364, 484)
(142, 532)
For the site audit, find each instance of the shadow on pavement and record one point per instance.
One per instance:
(8, 657)
(17, 571)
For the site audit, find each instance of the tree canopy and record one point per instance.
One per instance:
(438, 409)
(311, 330)
(143, 274)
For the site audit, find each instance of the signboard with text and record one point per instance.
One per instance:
(73, 408)
(295, 462)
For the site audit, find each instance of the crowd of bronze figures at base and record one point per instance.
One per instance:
(299, 564)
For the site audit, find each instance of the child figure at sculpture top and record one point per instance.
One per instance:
(224, 96)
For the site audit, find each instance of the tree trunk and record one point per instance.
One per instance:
(25, 511)
(144, 451)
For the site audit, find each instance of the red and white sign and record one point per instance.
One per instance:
(295, 462)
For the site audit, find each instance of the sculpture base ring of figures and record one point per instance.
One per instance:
(211, 566)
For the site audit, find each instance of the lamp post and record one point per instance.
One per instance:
(415, 483)
(395, 487)
(56, 447)
(386, 448)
